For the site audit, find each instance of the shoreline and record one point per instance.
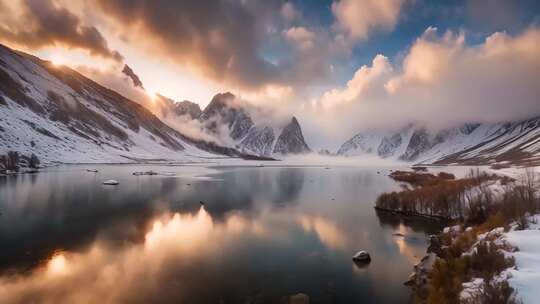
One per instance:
(437, 218)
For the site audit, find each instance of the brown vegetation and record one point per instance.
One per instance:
(13, 161)
(499, 166)
(10, 161)
(420, 179)
(437, 196)
(485, 260)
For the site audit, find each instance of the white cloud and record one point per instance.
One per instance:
(442, 81)
(367, 80)
(113, 78)
(301, 37)
(356, 18)
(288, 12)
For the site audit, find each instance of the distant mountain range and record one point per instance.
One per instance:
(469, 144)
(247, 135)
(62, 116)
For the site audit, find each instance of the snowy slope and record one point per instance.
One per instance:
(62, 116)
(386, 144)
(511, 142)
(269, 141)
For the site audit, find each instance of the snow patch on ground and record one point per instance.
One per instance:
(526, 278)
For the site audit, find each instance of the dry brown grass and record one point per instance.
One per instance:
(440, 196)
(487, 260)
(419, 179)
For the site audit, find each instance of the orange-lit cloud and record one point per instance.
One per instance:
(442, 82)
(356, 18)
(218, 38)
(35, 24)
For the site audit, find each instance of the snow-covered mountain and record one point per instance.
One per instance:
(291, 140)
(188, 108)
(60, 115)
(224, 111)
(249, 136)
(511, 142)
(134, 77)
(165, 107)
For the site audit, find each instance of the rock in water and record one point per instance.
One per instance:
(362, 256)
(111, 182)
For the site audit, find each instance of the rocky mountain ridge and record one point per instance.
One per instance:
(470, 144)
(61, 116)
(251, 137)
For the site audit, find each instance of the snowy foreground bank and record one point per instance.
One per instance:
(524, 247)
(525, 278)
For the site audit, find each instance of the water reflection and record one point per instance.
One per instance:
(263, 234)
(327, 232)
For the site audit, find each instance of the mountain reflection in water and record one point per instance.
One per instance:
(262, 235)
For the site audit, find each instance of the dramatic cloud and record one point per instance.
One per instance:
(219, 38)
(300, 37)
(287, 57)
(247, 46)
(288, 12)
(365, 82)
(36, 24)
(356, 18)
(442, 82)
(114, 79)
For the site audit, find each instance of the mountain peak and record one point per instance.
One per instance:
(291, 140)
(226, 95)
(222, 110)
(187, 107)
(134, 77)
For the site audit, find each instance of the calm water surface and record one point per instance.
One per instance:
(262, 235)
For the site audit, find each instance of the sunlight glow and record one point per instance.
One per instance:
(57, 60)
(57, 265)
(183, 232)
(151, 94)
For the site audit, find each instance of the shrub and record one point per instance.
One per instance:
(487, 260)
(33, 162)
(486, 211)
(495, 292)
(441, 195)
(444, 175)
(12, 161)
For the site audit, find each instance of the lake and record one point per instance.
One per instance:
(196, 234)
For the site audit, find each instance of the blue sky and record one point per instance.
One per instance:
(478, 19)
